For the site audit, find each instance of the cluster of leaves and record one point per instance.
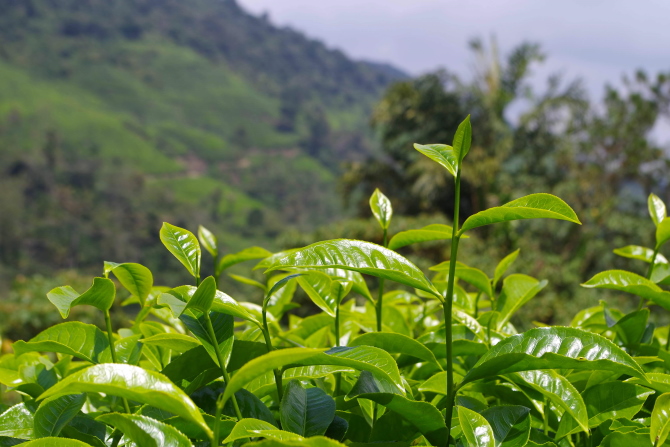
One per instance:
(433, 362)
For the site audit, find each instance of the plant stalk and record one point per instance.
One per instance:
(222, 364)
(447, 305)
(380, 297)
(112, 350)
(650, 270)
(338, 376)
(268, 342)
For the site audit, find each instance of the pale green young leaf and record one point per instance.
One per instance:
(359, 256)
(395, 344)
(208, 241)
(476, 429)
(18, 422)
(133, 383)
(442, 154)
(462, 140)
(660, 420)
(183, 245)
(55, 442)
(136, 278)
(434, 232)
(81, 340)
(657, 209)
(145, 431)
(247, 428)
(248, 254)
(552, 348)
(318, 286)
(637, 252)
(534, 206)
(632, 283)
(381, 208)
(100, 295)
(248, 281)
(468, 274)
(203, 297)
(176, 342)
(662, 233)
(504, 265)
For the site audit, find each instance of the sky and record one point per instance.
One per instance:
(595, 40)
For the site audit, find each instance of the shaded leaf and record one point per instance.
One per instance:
(247, 254)
(510, 424)
(306, 412)
(434, 232)
(504, 265)
(145, 431)
(517, 290)
(55, 413)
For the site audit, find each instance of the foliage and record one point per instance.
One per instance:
(428, 361)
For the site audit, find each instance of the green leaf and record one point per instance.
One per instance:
(534, 206)
(208, 241)
(657, 381)
(183, 245)
(662, 233)
(632, 283)
(306, 412)
(476, 429)
(558, 390)
(422, 415)
(656, 209)
(17, 422)
(189, 365)
(55, 413)
(248, 281)
(145, 431)
(136, 278)
(606, 401)
(359, 256)
(133, 383)
(395, 344)
(81, 340)
(462, 140)
(442, 154)
(203, 297)
(176, 342)
(55, 442)
(510, 424)
(618, 439)
(247, 254)
(552, 348)
(517, 290)
(468, 274)
(504, 265)
(223, 329)
(277, 286)
(434, 232)
(637, 252)
(381, 208)
(318, 287)
(660, 418)
(316, 441)
(177, 298)
(631, 327)
(100, 295)
(247, 428)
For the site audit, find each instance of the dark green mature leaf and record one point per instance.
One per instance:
(145, 431)
(637, 252)
(381, 208)
(359, 256)
(136, 278)
(395, 344)
(183, 245)
(55, 442)
(632, 283)
(100, 295)
(631, 327)
(223, 329)
(203, 297)
(462, 139)
(606, 401)
(55, 413)
(660, 420)
(503, 265)
(558, 390)
(476, 429)
(81, 340)
(468, 274)
(662, 233)
(306, 412)
(434, 232)
(131, 382)
(657, 209)
(534, 206)
(247, 254)
(517, 290)
(422, 415)
(189, 365)
(510, 424)
(17, 422)
(441, 154)
(208, 241)
(552, 348)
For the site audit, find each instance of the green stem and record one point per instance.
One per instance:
(380, 297)
(338, 376)
(268, 342)
(447, 305)
(110, 337)
(479, 295)
(667, 340)
(546, 416)
(217, 414)
(219, 357)
(650, 270)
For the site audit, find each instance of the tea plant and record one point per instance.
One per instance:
(429, 362)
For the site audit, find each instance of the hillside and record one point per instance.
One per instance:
(144, 110)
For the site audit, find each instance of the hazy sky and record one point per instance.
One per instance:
(597, 40)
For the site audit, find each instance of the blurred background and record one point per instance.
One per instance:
(272, 121)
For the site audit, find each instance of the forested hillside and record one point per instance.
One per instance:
(117, 115)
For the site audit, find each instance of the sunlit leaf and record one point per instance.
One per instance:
(632, 283)
(100, 295)
(517, 290)
(136, 278)
(657, 209)
(660, 420)
(208, 241)
(434, 232)
(637, 252)
(662, 233)
(442, 154)
(81, 340)
(476, 429)
(183, 245)
(510, 424)
(504, 265)
(248, 254)
(145, 431)
(381, 208)
(462, 139)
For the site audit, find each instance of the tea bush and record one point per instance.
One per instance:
(198, 367)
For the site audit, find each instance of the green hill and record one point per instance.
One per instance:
(147, 110)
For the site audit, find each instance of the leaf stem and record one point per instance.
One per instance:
(219, 357)
(448, 302)
(380, 297)
(338, 376)
(545, 416)
(268, 342)
(650, 270)
(112, 350)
